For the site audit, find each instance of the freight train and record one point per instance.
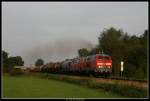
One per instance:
(98, 64)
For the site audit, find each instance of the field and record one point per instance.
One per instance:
(32, 87)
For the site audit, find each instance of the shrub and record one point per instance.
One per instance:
(125, 90)
(15, 72)
(128, 91)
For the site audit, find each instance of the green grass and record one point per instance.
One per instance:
(32, 87)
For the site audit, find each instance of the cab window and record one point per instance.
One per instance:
(103, 58)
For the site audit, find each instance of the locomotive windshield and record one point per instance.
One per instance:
(103, 58)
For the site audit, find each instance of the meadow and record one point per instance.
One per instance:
(33, 87)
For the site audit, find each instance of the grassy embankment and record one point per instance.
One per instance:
(33, 87)
(129, 89)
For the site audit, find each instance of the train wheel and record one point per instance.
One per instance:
(95, 75)
(87, 73)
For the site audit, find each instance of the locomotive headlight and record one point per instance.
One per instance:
(108, 63)
(99, 66)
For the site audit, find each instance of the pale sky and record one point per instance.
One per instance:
(55, 31)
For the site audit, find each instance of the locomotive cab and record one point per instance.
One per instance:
(103, 64)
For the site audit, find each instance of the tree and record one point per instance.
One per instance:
(15, 61)
(10, 62)
(83, 52)
(5, 63)
(145, 50)
(136, 56)
(5, 58)
(39, 62)
(111, 43)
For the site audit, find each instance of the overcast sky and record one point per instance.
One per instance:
(55, 31)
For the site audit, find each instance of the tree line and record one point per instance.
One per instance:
(121, 46)
(9, 62)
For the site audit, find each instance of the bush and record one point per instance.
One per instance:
(125, 90)
(5, 70)
(128, 91)
(15, 72)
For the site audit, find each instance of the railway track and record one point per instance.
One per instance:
(114, 78)
(110, 78)
(126, 79)
(142, 84)
(103, 77)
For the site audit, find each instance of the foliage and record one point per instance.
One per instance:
(5, 61)
(118, 88)
(10, 62)
(16, 72)
(83, 52)
(110, 42)
(130, 49)
(128, 91)
(5, 58)
(137, 57)
(39, 62)
(16, 61)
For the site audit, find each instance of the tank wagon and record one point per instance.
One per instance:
(98, 64)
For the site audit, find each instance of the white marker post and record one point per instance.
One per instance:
(122, 67)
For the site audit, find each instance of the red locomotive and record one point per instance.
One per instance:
(102, 64)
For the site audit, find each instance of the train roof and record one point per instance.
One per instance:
(102, 54)
(77, 58)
